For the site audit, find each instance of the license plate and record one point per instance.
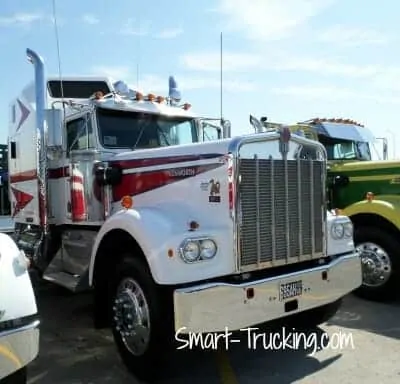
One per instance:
(290, 290)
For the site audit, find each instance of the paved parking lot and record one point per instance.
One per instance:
(74, 353)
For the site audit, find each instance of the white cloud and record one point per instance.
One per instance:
(352, 36)
(134, 28)
(169, 33)
(269, 19)
(90, 19)
(211, 61)
(333, 93)
(155, 83)
(116, 72)
(323, 67)
(20, 19)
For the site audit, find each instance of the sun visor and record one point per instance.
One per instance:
(345, 132)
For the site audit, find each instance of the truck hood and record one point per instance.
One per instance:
(214, 147)
(354, 166)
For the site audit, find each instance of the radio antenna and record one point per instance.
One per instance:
(221, 78)
(58, 51)
(138, 51)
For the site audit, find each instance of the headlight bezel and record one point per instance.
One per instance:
(197, 241)
(346, 228)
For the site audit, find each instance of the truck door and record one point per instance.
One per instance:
(79, 137)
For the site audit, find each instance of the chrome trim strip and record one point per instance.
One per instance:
(34, 324)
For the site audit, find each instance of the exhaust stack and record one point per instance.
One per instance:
(41, 105)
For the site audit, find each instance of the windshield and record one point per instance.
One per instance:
(338, 149)
(121, 129)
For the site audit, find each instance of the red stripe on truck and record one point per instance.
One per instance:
(53, 173)
(153, 161)
(140, 182)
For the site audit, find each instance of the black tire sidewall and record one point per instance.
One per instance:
(391, 246)
(161, 332)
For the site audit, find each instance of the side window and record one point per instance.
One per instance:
(209, 132)
(345, 150)
(179, 133)
(80, 134)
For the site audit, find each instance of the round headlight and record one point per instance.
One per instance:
(191, 251)
(337, 231)
(208, 249)
(348, 230)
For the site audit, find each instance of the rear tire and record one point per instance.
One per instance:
(18, 377)
(141, 319)
(380, 263)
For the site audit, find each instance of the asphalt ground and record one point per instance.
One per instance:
(72, 352)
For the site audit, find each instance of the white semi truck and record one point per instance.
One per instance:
(173, 224)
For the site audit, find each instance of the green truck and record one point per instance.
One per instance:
(366, 190)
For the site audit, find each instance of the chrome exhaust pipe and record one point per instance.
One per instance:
(41, 105)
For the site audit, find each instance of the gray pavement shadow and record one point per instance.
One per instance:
(378, 318)
(274, 363)
(72, 352)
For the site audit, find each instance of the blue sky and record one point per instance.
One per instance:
(289, 60)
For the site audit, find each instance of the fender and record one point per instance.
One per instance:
(386, 206)
(147, 226)
(156, 231)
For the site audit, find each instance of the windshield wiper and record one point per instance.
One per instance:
(164, 135)
(145, 123)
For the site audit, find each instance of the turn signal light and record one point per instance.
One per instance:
(127, 202)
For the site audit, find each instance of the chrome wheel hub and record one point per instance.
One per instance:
(132, 316)
(376, 264)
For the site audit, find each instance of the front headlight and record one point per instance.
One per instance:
(342, 230)
(337, 231)
(208, 249)
(190, 251)
(348, 230)
(193, 250)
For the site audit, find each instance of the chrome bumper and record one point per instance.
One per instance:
(18, 347)
(215, 306)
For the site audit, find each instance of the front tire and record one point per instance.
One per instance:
(141, 320)
(380, 264)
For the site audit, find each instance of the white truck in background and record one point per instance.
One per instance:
(19, 321)
(174, 225)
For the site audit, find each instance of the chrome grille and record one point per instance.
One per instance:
(282, 210)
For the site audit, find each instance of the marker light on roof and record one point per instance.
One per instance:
(139, 96)
(160, 99)
(98, 95)
(333, 120)
(186, 106)
(151, 97)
